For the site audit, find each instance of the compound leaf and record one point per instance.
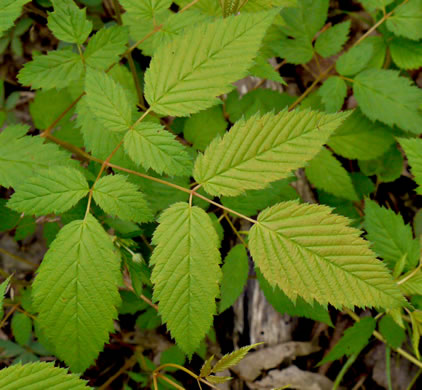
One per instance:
(331, 41)
(39, 375)
(355, 59)
(385, 96)
(309, 252)
(406, 21)
(146, 9)
(186, 273)
(149, 145)
(233, 358)
(406, 54)
(53, 190)
(118, 197)
(263, 149)
(413, 149)
(9, 11)
(203, 62)
(76, 292)
(68, 22)
(333, 92)
(265, 70)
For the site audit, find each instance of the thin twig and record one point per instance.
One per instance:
(18, 258)
(128, 365)
(186, 7)
(235, 230)
(10, 312)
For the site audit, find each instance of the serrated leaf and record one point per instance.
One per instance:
(105, 47)
(333, 92)
(280, 302)
(355, 60)
(406, 54)
(391, 239)
(406, 20)
(149, 145)
(392, 332)
(385, 96)
(372, 5)
(218, 379)
(195, 64)
(24, 156)
(411, 285)
(231, 359)
(347, 139)
(295, 51)
(413, 150)
(21, 328)
(68, 22)
(3, 288)
(235, 275)
(325, 172)
(56, 69)
(353, 341)
(108, 100)
(206, 367)
(309, 252)
(146, 9)
(10, 10)
(186, 273)
(331, 41)
(265, 71)
(262, 149)
(118, 197)
(76, 292)
(54, 190)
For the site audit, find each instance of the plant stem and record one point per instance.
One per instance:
(186, 7)
(388, 366)
(343, 370)
(235, 230)
(128, 365)
(10, 312)
(18, 258)
(169, 381)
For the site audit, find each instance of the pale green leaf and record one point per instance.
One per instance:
(411, 285)
(385, 96)
(57, 69)
(309, 252)
(353, 341)
(325, 172)
(201, 128)
(118, 197)
(406, 20)
(263, 149)
(233, 358)
(295, 51)
(391, 331)
(207, 367)
(54, 190)
(347, 139)
(23, 156)
(355, 59)
(209, 7)
(202, 63)
(413, 150)
(218, 379)
(39, 376)
(235, 275)
(108, 100)
(105, 47)
(76, 292)
(280, 302)
(9, 11)
(146, 9)
(372, 5)
(149, 145)
(333, 92)
(186, 273)
(391, 239)
(68, 22)
(3, 288)
(331, 41)
(406, 54)
(265, 70)
(21, 326)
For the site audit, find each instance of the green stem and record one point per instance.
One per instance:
(344, 369)
(388, 366)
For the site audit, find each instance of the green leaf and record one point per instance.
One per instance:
(54, 190)
(25, 228)
(24, 156)
(68, 22)
(265, 70)
(21, 328)
(391, 238)
(218, 379)
(9, 218)
(118, 197)
(406, 20)
(146, 9)
(280, 302)
(309, 252)
(235, 275)
(295, 51)
(385, 96)
(355, 59)
(76, 292)
(153, 147)
(193, 63)
(412, 148)
(10, 10)
(173, 355)
(333, 92)
(201, 135)
(324, 171)
(372, 5)
(105, 47)
(393, 333)
(207, 367)
(231, 359)
(186, 273)
(406, 54)
(411, 285)
(56, 69)
(3, 288)
(347, 139)
(39, 376)
(353, 341)
(262, 149)
(331, 41)
(108, 100)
